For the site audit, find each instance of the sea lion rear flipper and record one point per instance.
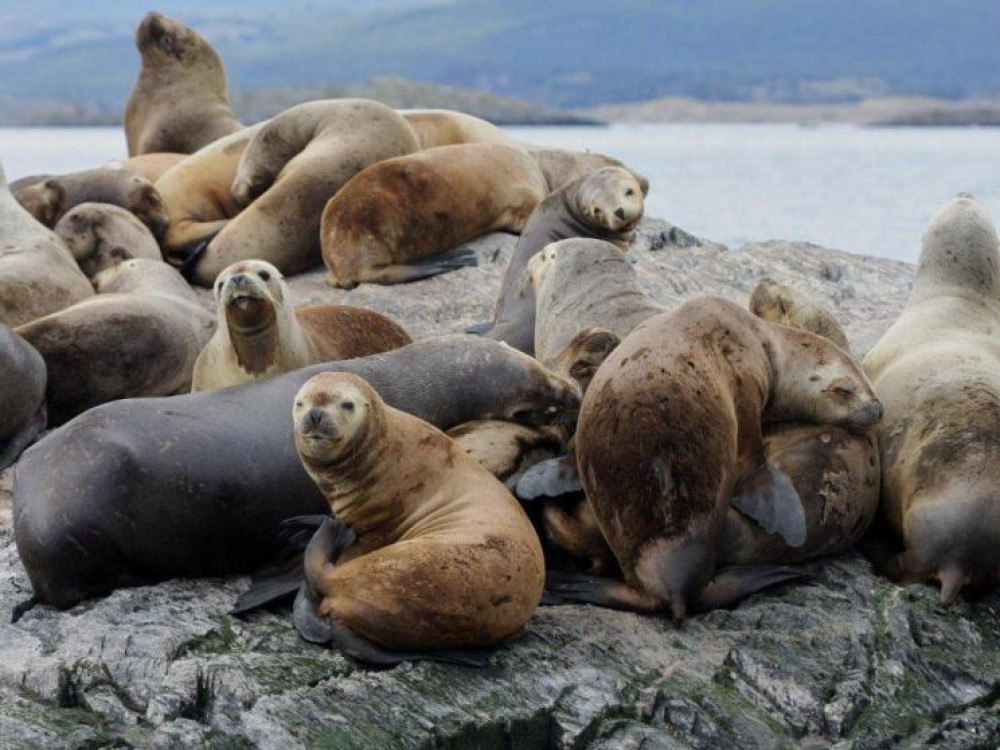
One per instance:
(402, 273)
(768, 497)
(732, 585)
(311, 626)
(565, 588)
(192, 253)
(17, 443)
(550, 478)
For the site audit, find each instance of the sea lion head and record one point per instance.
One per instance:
(331, 413)
(163, 40)
(814, 380)
(610, 200)
(143, 200)
(83, 231)
(43, 200)
(251, 298)
(778, 303)
(547, 397)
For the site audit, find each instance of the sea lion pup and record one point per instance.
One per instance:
(388, 222)
(670, 434)
(445, 127)
(151, 166)
(295, 163)
(180, 101)
(50, 199)
(100, 236)
(937, 369)
(782, 304)
(604, 204)
(507, 449)
(147, 487)
(260, 334)
(196, 194)
(37, 273)
(22, 395)
(426, 552)
(140, 336)
(561, 165)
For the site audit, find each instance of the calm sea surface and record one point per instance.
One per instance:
(862, 190)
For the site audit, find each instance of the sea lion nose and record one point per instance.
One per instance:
(314, 418)
(620, 212)
(879, 411)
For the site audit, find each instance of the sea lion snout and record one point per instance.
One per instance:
(867, 416)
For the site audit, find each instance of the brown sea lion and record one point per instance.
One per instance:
(426, 552)
(180, 101)
(604, 204)
(50, 199)
(261, 334)
(100, 236)
(445, 127)
(37, 272)
(937, 369)
(22, 395)
(670, 434)
(782, 304)
(292, 166)
(139, 336)
(400, 212)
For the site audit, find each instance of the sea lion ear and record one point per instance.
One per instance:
(768, 496)
(643, 184)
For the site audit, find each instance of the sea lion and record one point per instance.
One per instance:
(427, 551)
(782, 304)
(937, 369)
(670, 434)
(561, 165)
(50, 199)
(140, 336)
(37, 273)
(604, 204)
(445, 127)
(22, 395)
(507, 449)
(292, 166)
(151, 166)
(180, 101)
(148, 489)
(388, 222)
(196, 194)
(261, 334)
(100, 236)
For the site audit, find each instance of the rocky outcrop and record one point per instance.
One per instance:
(846, 660)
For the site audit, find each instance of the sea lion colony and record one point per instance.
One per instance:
(670, 461)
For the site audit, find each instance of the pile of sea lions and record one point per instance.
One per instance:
(419, 499)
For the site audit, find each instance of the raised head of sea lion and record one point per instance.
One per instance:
(413, 513)
(180, 101)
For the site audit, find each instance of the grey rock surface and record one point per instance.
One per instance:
(847, 660)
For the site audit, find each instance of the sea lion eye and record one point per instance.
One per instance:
(264, 275)
(298, 404)
(630, 192)
(347, 406)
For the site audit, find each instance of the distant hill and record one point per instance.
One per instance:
(558, 53)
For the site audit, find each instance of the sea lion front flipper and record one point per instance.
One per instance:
(768, 496)
(577, 588)
(18, 442)
(311, 626)
(732, 585)
(363, 650)
(403, 273)
(550, 478)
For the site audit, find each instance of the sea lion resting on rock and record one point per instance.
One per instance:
(604, 204)
(180, 101)
(37, 273)
(50, 198)
(22, 395)
(295, 163)
(937, 369)
(670, 433)
(385, 225)
(140, 336)
(147, 488)
(427, 551)
(261, 334)
(100, 236)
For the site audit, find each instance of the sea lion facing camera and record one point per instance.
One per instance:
(292, 166)
(937, 369)
(203, 455)
(140, 336)
(260, 334)
(100, 236)
(37, 273)
(387, 224)
(22, 395)
(428, 550)
(180, 101)
(670, 434)
(604, 204)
